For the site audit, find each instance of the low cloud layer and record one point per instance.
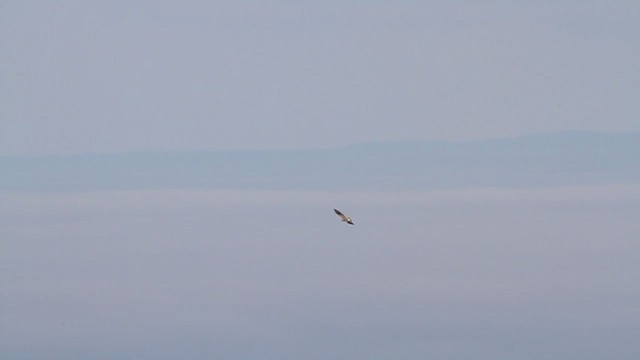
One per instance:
(532, 274)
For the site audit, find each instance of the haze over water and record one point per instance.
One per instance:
(474, 272)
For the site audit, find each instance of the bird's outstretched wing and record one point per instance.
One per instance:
(344, 217)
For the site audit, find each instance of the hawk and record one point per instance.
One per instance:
(344, 217)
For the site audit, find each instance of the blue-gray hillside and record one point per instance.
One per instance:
(568, 158)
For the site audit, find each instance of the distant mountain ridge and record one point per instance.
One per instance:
(555, 159)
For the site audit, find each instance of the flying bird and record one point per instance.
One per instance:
(344, 217)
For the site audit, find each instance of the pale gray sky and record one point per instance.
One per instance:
(113, 76)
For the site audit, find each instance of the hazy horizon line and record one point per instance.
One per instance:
(328, 148)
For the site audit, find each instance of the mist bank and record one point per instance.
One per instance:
(226, 274)
(556, 159)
